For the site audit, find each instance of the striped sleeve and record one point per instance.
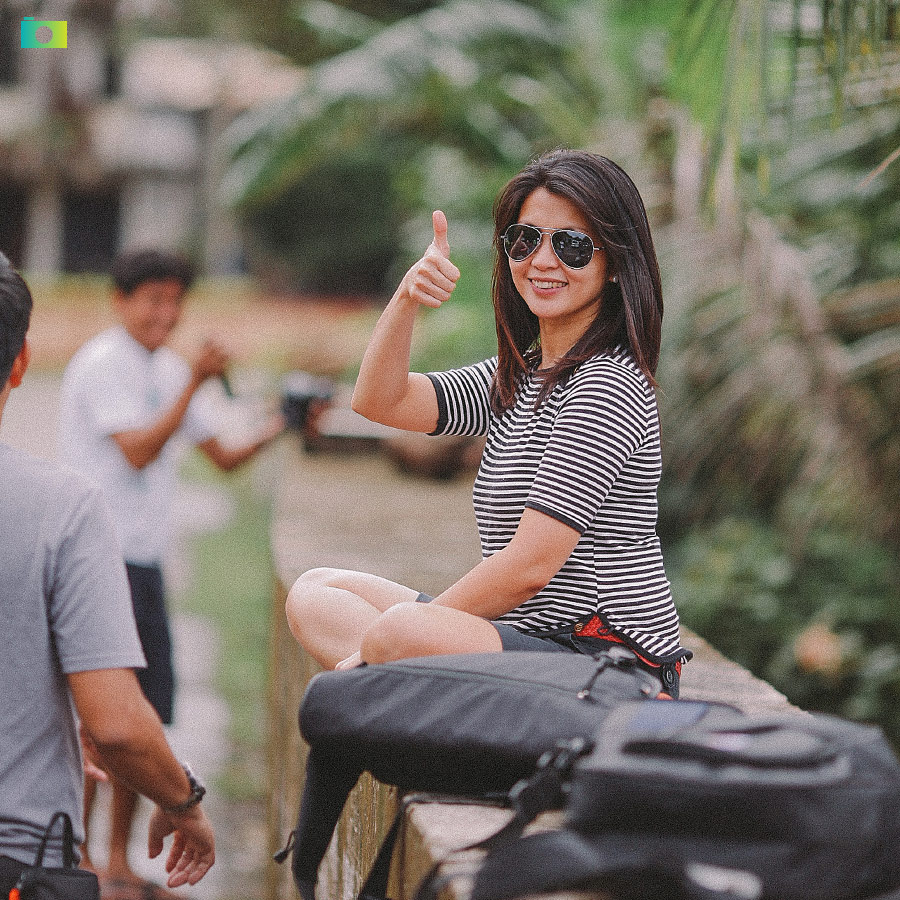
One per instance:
(463, 397)
(600, 424)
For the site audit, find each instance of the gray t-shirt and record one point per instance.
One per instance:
(66, 608)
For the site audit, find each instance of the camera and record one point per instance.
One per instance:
(299, 392)
(37, 33)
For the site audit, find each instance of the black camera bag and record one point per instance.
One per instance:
(695, 801)
(465, 725)
(68, 882)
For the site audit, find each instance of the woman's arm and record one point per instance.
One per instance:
(386, 391)
(500, 582)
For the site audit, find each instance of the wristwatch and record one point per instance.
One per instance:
(197, 792)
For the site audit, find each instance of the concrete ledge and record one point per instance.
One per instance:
(361, 513)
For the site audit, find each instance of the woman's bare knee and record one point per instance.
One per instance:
(328, 609)
(398, 633)
(417, 629)
(305, 598)
(321, 576)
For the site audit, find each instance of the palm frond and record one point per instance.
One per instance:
(465, 74)
(758, 69)
(338, 26)
(766, 400)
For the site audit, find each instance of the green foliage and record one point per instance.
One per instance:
(824, 627)
(305, 32)
(490, 84)
(756, 71)
(336, 226)
(781, 392)
(447, 75)
(819, 187)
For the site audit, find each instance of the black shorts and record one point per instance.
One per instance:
(567, 642)
(149, 601)
(10, 870)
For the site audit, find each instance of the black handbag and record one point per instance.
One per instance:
(40, 882)
(465, 725)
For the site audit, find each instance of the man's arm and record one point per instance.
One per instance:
(141, 446)
(130, 743)
(228, 458)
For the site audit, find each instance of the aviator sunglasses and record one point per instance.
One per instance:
(574, 249)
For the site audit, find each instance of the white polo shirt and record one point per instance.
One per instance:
(114, 384)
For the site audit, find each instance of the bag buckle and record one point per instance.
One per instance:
(545, 789)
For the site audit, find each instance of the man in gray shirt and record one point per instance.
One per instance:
(68, 649)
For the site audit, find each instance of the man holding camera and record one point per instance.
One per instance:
(129, 404)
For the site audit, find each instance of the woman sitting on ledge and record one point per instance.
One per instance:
(566, 494)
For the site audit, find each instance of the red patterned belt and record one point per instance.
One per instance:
(596, 629)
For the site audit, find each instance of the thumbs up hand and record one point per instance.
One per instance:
(439, 224)
(432, 279)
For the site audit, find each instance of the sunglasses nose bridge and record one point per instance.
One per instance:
(545, 251)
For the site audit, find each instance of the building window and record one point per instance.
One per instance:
(9, 46)
(90, 230)
(13, 213)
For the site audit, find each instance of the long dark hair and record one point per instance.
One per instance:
(630, 311)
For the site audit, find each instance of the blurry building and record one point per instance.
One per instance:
(113, 142)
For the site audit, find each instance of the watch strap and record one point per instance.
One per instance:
(197, 792)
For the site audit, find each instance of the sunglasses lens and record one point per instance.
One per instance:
(520, 241)
(573, 248)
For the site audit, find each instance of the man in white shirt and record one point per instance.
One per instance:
(69, 645)
(129, 405)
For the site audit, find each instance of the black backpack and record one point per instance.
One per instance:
(679, 799)
(468, 725)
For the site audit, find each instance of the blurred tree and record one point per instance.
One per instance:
(787, 352)
(781, 379)
(306, 32)
(448, 101)
(763, 69)
(825, 628)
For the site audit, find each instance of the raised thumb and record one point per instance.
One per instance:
(439, 222)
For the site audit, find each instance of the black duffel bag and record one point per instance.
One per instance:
(465, 725)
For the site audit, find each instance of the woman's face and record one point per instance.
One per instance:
(561, 298)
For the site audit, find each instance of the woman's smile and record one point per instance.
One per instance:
(565, 300)
(544, 284)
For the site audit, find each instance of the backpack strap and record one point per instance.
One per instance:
(625, 865)
(375, 887)
(542, 791)
(329, 780)
(68, 841)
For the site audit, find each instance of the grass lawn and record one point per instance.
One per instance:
(231, 586)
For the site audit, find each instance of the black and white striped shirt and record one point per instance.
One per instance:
(590, 457)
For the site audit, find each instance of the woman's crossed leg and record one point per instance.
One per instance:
(341, 616)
